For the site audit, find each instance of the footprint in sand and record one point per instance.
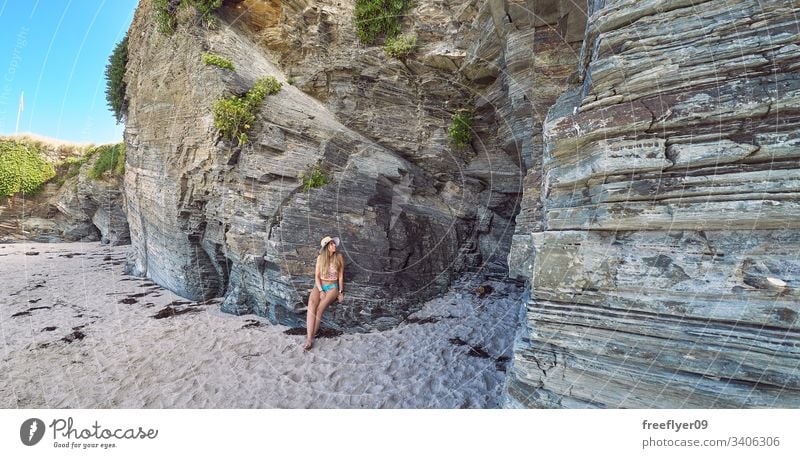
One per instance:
(291, 375)
(335, 380)
(375, 388)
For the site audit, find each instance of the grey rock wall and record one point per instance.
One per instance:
(664, 271)
(411, 209)
(88, 208)
(72, 209)
(207, 219)
(469, 57)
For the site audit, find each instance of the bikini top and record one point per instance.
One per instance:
(332, 274)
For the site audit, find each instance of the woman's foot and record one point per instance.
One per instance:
(308, 345)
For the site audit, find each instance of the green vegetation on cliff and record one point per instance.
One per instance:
(400, 46)
(72, 166)
(460, 131)
(235, 115)
(314, 179)
(218, 61)
(110, 158)
(115, 86)
(22, 168)
(206, 9)
(376, 18)
(167, 12)
(165, 15)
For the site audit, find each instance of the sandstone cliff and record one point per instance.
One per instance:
(663, 256)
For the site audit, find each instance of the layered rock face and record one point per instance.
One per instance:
(472, 55)
(31, 217)
(88, 208)
(208, 219)
(664, 268)
(72, 209)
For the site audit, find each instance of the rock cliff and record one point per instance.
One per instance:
(69, 207)
(634, 161)
(412, 210)
(663, 256)
(92, 209)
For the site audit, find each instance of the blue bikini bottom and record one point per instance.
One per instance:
(325, 288)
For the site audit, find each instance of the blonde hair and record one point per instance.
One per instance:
(326, 258)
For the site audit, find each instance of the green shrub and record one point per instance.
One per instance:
(233, 116)
(264, 87)
(167, 11)
(119, 169)
(219, 61)
(73, 165)
(375, 18)
(22, 168)
(400, 46)
(165, 15)
(111, 157)
(460, 132)
(314, 179)
(206, 9)
(115, 86)
(70, 168)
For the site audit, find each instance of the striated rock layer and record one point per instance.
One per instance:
(89, 206)
(208, 219)
(74, 208)
(664, 267)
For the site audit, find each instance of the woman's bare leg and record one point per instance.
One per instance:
(313, 303)
(330, 296)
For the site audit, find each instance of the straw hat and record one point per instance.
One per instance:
(324, 242)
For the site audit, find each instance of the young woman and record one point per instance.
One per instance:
(328, 286)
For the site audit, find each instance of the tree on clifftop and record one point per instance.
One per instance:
(115, 86)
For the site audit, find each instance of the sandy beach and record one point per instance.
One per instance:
(78, 333)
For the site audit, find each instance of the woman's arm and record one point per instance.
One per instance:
(317, 281)
(341, 275)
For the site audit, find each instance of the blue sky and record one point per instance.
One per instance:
(56, 52)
